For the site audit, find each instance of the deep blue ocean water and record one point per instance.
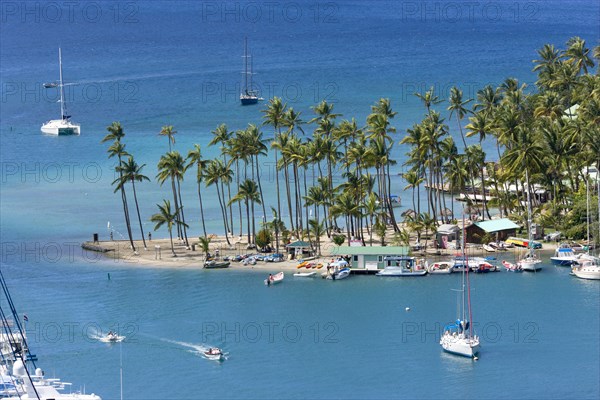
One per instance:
(148, 64)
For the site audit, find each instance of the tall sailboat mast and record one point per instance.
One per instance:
(246, 65)
(63, 108)
(529, 235)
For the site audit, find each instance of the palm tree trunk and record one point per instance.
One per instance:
(248, 219)
(138, 213)
(201, 209)
(176, 203)
(223, 213)
(262, 200)
(277, 187)
(288, 192)
(171, 237)
(237, 178)
(187, 244)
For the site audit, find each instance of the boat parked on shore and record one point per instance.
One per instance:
(212, 264)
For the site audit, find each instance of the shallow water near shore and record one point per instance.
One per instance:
(317, 338)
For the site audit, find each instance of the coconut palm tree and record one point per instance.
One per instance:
(457, 106)
(249, 194)
(480, 125)
(222, 136)
(195, 159)
(429, 99)
(130, 171)
(115, 133)
(317, 230)
(169, 132)
(172, 165)
(274, 116)
(165, 216)
(216, 173)
(578, 55)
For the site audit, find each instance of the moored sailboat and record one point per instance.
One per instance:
(531, 261)
(62, 126)
(458, 338)
(248, 95)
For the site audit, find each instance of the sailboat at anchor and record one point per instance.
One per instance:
(248, 95)
(459, 338)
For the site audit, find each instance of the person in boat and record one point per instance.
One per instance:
(269, 279)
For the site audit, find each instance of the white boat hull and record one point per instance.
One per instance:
(588, 272)
(399, 271)
(530, 265)
(305, 274)
(343, 274)
(59, 127)
(460, 345)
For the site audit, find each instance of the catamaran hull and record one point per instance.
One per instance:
(59, 128)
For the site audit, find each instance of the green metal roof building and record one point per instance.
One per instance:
(501, 229)
(368, 257)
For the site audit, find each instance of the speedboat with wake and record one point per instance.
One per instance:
(215, 354)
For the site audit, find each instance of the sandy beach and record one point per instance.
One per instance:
(158, 253)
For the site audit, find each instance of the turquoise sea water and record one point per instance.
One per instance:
(148, 64)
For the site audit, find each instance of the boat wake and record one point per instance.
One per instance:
(196, 349)
(106, 338)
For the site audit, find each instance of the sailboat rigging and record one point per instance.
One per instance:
(248, 95)
(62, 126)
(531, 262)
(459, 338)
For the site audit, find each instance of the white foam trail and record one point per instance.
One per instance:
(197, 349)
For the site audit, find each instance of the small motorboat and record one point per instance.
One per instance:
(305, 274)
(341, 274)
(442, 267)
(586, 269)
(214, 353)
(216, 264)
(112, 337)
(489, 248)
(273, 279)
(564, 256)
(511, 267)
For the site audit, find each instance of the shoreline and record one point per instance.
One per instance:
(158, 254)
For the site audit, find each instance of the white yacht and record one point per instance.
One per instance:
(62, 126)
(459, 338)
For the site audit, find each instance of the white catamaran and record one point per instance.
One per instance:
(62, 126)
(459, 338)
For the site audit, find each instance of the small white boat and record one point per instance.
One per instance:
(489, 248)
(531, 262)
(215, 354)
(442, 267)
(400, 271)
(112, 337)
(403, 266)
(273, 279)
(587, 269)
(62, 126)
(306, 274)
(511, 267)
(338, 275)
